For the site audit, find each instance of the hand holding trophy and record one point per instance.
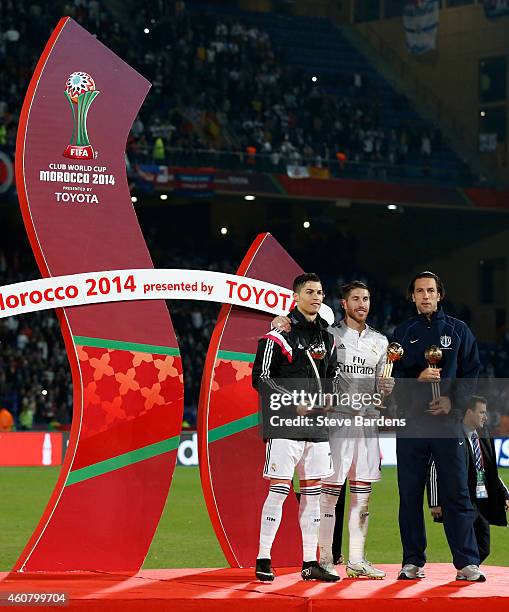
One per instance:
(394, 353)
(433, 356)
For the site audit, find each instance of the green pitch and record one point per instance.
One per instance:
(185, 537)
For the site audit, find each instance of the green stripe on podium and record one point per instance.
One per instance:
(235, 356)
(223, 431)
(120, 461)
(126, 346)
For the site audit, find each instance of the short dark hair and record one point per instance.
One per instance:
(474, 400)
(347, 287)
(302, 279)
(426, 274)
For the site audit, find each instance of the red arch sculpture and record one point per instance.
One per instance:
(126, 367)
(231, 450)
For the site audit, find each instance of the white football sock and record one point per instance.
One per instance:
(309, 519)
(328, 501)
(358, 521)
(272, 512)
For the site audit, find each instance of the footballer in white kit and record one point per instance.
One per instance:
(361, 359)
(355, 449)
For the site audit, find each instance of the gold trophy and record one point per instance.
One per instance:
(433, 355)
(394, 353)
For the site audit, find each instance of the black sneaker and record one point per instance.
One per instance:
(311, 570)
(264, 571)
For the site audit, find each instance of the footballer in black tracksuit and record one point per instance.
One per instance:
(283, 363)
(303, 359)
(440, 436)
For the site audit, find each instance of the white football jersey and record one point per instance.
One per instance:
(361, 359)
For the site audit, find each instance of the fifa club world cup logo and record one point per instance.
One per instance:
(80, 91)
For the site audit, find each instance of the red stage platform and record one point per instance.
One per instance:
(234, 589)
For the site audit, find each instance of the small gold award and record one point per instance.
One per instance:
(433, 356)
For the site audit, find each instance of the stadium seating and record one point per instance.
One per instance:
(195, 107)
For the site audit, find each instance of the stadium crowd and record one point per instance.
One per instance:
(245, 98)
(35, 382)
(225, 79)
(219, 85)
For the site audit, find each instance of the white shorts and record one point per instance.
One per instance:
(311, 460)
(355, 456)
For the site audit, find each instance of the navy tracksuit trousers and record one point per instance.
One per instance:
(413, 455)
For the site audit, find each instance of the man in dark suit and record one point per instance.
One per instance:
(489, 495)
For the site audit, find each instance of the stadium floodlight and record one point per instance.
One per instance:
(163, 196)
(249, 197)
(224, 231)
(146, 31)
(306, 225)
(483, 114)
(134, 199)
(314, 79)
(44, 392)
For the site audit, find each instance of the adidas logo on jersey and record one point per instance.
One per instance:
(341, 346)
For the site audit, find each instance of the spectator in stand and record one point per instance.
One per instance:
(425, 146)
(6, 420)
(26, 416)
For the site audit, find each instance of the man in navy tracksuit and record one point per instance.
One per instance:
(434, 428)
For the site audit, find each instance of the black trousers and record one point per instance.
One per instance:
(413, 456)
(482, 534)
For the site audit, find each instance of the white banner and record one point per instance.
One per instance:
(163, 284)
(297, 172)
(420, 20)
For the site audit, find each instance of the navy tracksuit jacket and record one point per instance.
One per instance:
(439, 436)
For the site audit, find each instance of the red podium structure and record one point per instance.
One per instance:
(187, 590)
